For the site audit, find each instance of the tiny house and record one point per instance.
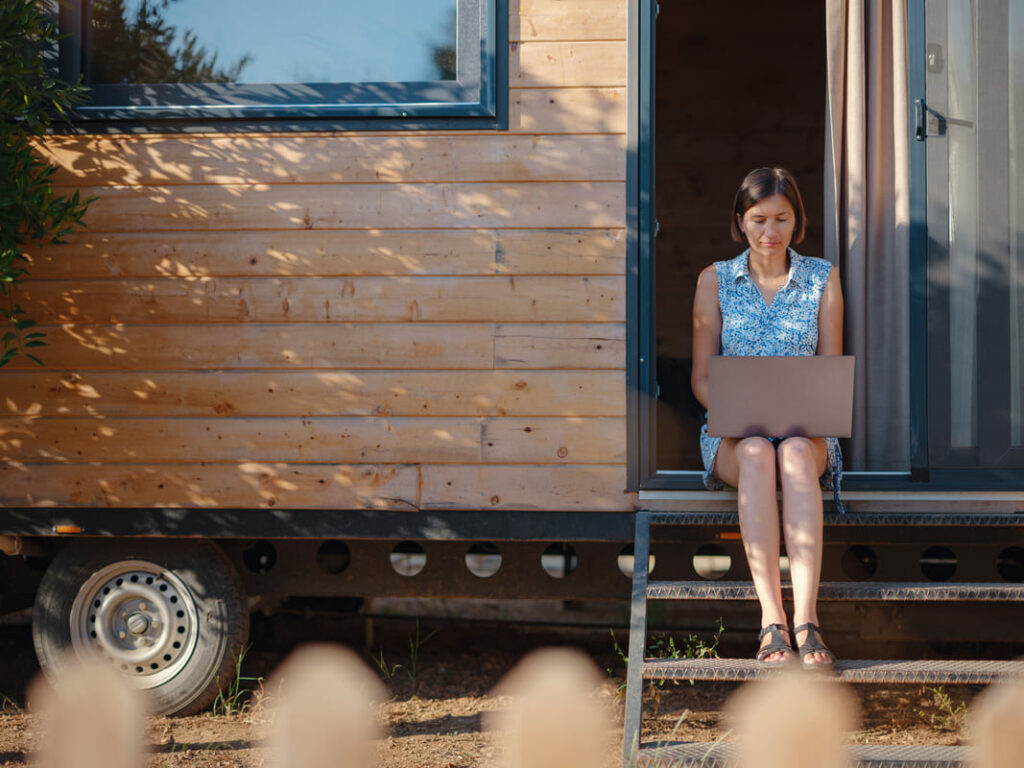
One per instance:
(410, 284)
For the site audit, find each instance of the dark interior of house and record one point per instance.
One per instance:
(739, 85)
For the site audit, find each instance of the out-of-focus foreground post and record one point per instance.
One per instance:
(555, 720)
(92, 719)
(997, 726)
(793, 721)
(324, 710)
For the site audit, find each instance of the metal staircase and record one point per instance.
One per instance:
(721, 755)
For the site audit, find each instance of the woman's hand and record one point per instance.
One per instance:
(707, 331)
(830, 316)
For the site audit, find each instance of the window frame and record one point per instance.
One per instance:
(476, 99)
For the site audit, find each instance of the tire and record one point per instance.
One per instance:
(170, 615)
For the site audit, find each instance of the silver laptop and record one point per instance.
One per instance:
(809, 396)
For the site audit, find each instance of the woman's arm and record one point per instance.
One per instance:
(707, 331)
(830, 317)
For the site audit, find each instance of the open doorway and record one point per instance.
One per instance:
(738, 85)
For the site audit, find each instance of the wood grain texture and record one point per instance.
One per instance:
(308, 439)
(597, 488)
(247, 484)
(295, 345)
(310, 300)
(560, 205)
(560, 346)
(553, 441)
(414, 346)
(163, 161)
(567, 64)
(336, 253)
(314, 393)
(567, 20)
(567, 110)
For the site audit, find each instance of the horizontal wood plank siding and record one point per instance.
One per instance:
(346, 320)
(567, 20)
(567, 110)
(338, 159)
(309, 253)
(370, 346)
(228, 208)
(507, 299)
(319, 486)
(246, 484)
(164, 394)
(599, 488)
(568, 64)
(322, 439)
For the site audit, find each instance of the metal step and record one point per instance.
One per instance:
(842, 590)
(724, 755)
(846, 670)
(867, 519)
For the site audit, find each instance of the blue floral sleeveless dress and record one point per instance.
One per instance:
(788, 326)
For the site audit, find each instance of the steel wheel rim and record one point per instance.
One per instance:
(139, 617)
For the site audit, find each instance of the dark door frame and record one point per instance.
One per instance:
(641, 227)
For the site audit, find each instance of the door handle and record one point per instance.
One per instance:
(922, 113)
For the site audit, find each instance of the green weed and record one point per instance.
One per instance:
(389, 671)
(237, 697)
(950, 715)
(666, 646)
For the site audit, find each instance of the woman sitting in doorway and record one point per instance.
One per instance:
(770, 300)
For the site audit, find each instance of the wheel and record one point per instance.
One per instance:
(170, 615)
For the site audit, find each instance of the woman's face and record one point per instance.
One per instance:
(769, 226)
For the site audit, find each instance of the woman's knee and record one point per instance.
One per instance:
(756, 453)
(799, 457)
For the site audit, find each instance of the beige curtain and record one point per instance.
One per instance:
(867, 218)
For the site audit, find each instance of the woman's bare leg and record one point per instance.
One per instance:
(749, 465)
(801, 462)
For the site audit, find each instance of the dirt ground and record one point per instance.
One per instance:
(434, 716)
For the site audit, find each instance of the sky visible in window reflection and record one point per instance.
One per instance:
(317, 41)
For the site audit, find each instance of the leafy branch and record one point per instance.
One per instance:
(31, 97)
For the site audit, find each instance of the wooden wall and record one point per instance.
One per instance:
(345, 320)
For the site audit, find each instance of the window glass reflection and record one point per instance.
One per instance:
(1016, 200)
(963, 221)
(269, 41)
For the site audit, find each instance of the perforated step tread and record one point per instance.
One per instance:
(719, 755)
(846, 670)
(842, 590)
(869, 519)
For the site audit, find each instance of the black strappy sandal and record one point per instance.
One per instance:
(812, 644)
(779, 644)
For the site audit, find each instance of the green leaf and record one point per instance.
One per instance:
(35, 360)
(29, 344)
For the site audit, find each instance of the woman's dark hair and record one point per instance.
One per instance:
(762, 183)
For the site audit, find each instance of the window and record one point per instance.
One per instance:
(431, 62)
